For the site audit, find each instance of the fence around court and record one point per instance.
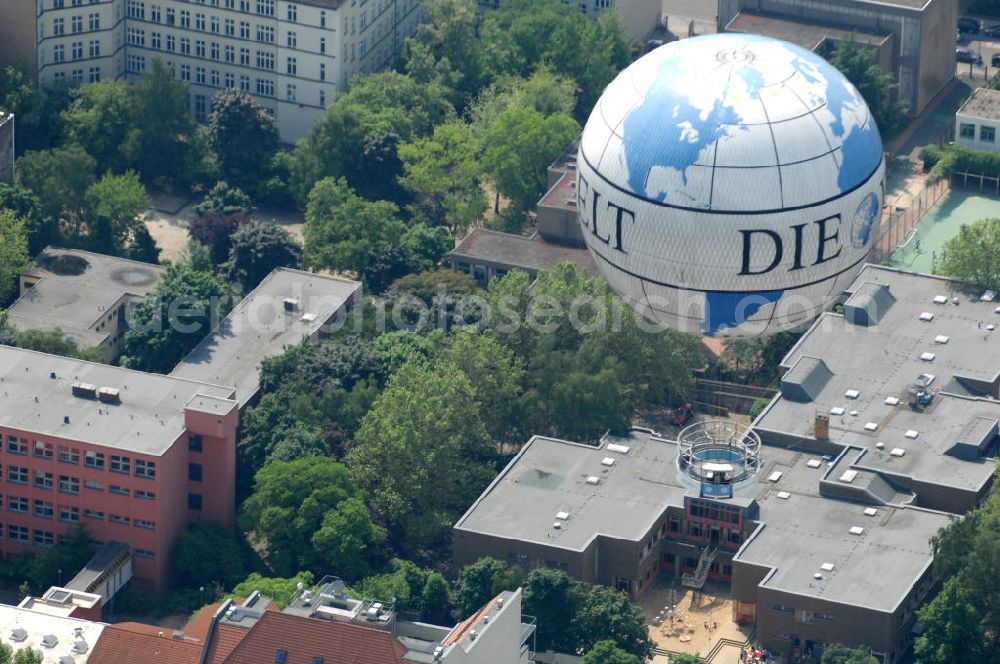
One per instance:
(986, 184)
(898, 223)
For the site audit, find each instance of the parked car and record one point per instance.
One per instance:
(965, 55)
(995, 60)
(992, 30)
(966, 24)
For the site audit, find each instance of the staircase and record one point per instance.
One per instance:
(697, 580)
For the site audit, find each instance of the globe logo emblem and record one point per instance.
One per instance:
(730, 184)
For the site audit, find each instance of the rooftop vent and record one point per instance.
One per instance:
(857, 530)
(607, 461)
(472, 634)
(991, 327)
(941, 339)
(892, 401)
(84, 390)
(308, 318)
(871, 511)
(614, 447)
(593, 479)
(871, 426)
(911, 433)
(880, 445)
(67, 659)
(837, 410)
(927, 357)
(848, 476)
(927, 316)
(818, 576)
(557, 525)
(50, 641)
(784, 495)
(562, 516)
(290, 304)
(940, 299)
(80, 647)
(897, 452)
(18, 635)
(814, 463)
(988, 296)
(52, 375)
(852, 394)
(775, 476)
(826, 567)
(109, 395)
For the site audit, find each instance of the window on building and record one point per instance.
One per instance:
(120, 520)
(43, 450)
(93, 460)
(290, 92)
(215, 50)
(69, 514)
(322, 71)
(322, 19)
(17, 534)
(245, 57)
(43, 480)
(144, 553)
(244, 30)
(292, 40)
(142, 523)
(171, 16)
(293, 12)
(194, 502)
(76, 24)
(154, 14)
(292, 66)
(185, 18)
(214, 78)
(17, 475)
(145, 495)
(94, 48)
(245, 83)
(69, 455)
(265, 7)
(58, 26)
(185, 72)
(93, 486)
(265, 61)
(119, 490)
(171, 43)
(199, 22)
(120, 464)
(199, 48)
(230, 81)
(94, 514)
(17, 445)
(70, 485)
(44, 538)
(185, 46)
(988, 134)
(17, 504)
(322, 98)
(94, 21)
(194, 472)
(43, 509)
(230, 26)
(265, 88)
(281, 657)
(322, 44)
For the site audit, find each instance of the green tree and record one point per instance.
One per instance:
(99, 119)
(481, 581)
(54, 342)
(39, 125)
(606, 614)
(28, 655)
(551, 596)
(436, 596)
(309, 513)
(443, 174)
(224, 198)
(448, 34)
(13, 254)
(357, 137)
(404, 581)
(114, 204)
(857, 62)
(160, 144)
(183, 307)
(41, 228)
(59, 178)
(206, 553)
(839, 654)
(953, 629)
(423, 428)
(278, 590)
(685, 658)
(244, 138)
(606, 652)
(342, 228)
(257, 249)
(215, 230)
(519, 148)
(970, 256)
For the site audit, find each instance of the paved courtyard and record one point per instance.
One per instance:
(700, 620)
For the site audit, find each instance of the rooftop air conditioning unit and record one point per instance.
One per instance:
(109, 395)
(291, 304)
(84, 390)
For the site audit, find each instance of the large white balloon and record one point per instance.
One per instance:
(730, 184)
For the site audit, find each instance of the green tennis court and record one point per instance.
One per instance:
(922, 249)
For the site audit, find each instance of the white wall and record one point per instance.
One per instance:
(981, 130)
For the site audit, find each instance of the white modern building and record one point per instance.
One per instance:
(294, 57)
(977, 122)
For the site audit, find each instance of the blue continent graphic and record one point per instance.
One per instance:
(684, 135)
(724, 309)
(869, 208)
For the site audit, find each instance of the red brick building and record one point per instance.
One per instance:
(134, 457)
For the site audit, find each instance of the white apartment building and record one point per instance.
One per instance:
(294, 57)
(977, 122)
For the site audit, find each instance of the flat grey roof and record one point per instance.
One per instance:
(983, 104)
(148, 420)
(875, 569)
(259, 327)
(533, 254)
(550, 476)
(75, 302)
(807, 34)
(882, 361)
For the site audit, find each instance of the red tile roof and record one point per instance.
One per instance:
(305, 638)
(134, 642)
(466, 625)
(197, 627)
(225, 638)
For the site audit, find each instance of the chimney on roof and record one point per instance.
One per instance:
(822, 428)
